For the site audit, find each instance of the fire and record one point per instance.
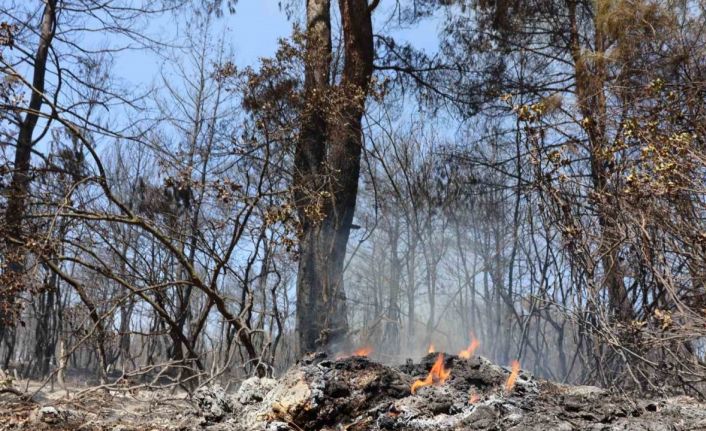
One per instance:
(431, 348)
(437, 376)
(363, 351)
(513, 376)
(473, 397)
(468, 352)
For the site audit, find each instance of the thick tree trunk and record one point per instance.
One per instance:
(327, 167)
(45, 331)
(321, 306)
(13, 279)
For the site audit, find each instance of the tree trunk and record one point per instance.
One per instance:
(45, 332)
(411, 266)
(391, 338)
(327, 167)
(13, 280)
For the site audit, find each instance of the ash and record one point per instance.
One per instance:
(358, 394)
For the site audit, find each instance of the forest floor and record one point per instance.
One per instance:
(355, 394)
(156, 410)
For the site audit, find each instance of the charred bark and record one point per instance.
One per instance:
(15, 252)
(327, 167)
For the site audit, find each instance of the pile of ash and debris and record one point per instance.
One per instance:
(442, 392)
(465, 394)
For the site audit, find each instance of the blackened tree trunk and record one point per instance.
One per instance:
(13, 279)
(45, 331)
(327, 166)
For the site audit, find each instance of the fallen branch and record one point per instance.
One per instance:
(17, 392)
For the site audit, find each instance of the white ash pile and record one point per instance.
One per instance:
(442, 392)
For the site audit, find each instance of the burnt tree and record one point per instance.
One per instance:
(21, 176)
(327, 165)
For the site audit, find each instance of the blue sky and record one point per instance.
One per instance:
(252, 33)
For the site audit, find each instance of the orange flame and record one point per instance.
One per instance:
(431, 349)
(468, 352)
(473, 397)
(437, 376)
(513, 376)
(363, 351)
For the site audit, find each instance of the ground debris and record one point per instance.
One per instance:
(357, 394)
(213, 402)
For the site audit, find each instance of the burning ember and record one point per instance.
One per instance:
(437, 376)
(513, 377)
(473, 397)
(468, 352)
(363, 351)
(431, 349)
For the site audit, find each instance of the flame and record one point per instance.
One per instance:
(363, 351)
(513, 376)
(431, 348)
(437, 376)
(473, 397)
(468, 352)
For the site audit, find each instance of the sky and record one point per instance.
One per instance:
(252, 33)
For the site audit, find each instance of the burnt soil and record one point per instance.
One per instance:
(359, 394)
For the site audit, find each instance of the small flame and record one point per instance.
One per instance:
(431, 348)
(473, 397)
(437, 376)
(510, 384)
(363, 351)
(468, 352)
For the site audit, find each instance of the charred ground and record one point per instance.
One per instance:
(358, 394)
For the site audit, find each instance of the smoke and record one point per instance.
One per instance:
(447, 254)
